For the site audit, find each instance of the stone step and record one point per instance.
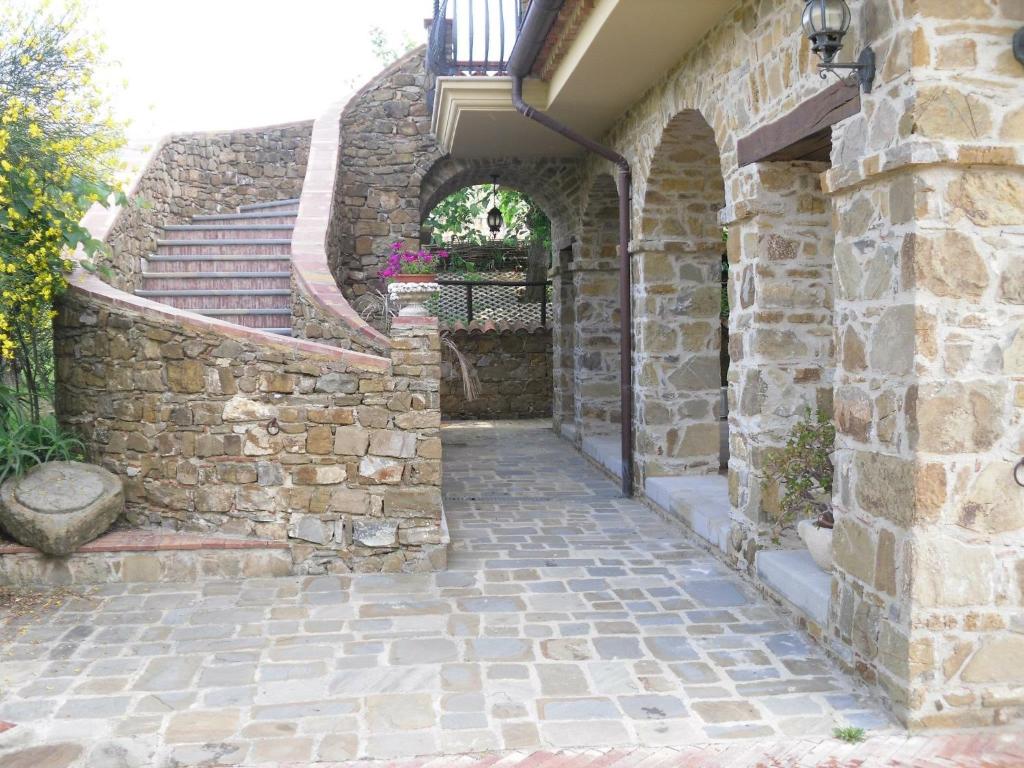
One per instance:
(220, 281)
(220, 263)
(271, 217)
(149, 556)
(236, 246)
(226, 232)
(275, 204)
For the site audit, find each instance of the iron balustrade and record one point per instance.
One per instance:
(473, 37)
(493, 300)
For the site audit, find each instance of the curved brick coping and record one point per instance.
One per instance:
(310, 268)
(83, 282)
(150, 541)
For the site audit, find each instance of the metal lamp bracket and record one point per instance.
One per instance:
(863, 72)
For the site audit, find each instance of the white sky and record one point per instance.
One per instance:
(213, 64)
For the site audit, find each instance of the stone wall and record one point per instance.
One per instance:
(220, 429)
(195, 173)
(319, 310)
(385, 149)
(513, 367)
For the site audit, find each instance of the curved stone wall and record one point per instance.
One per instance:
(320, 312)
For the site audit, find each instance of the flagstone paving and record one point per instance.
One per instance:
(569, 617)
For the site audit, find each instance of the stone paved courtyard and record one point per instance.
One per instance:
(568, 617)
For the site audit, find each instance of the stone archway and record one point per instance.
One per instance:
(677, 304)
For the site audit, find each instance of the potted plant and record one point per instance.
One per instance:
(405, 266)
(413, 278)
(804, 471)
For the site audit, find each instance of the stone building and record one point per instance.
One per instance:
(874, 246)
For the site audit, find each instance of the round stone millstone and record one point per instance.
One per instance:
(59, 506)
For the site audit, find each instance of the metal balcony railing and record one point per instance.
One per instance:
(518, 302)
(473, 37)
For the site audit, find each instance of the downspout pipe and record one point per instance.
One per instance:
(624, 184)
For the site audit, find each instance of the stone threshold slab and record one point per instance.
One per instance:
(792, 575)
(606, 451)
(147, 541)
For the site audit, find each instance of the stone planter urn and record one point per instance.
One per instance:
(412, 292)
(818, 542)
(58, 506)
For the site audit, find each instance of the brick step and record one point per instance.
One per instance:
(234, 281)
(220, 263)
(226, 232)
(275, 204)
(234, 300)
(270, 217)
(266, 246)
(264, 319)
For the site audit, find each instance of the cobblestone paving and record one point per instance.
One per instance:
(569, 617)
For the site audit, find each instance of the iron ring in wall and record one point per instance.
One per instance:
(1018, 473)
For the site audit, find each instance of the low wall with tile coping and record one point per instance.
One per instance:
(222, 429)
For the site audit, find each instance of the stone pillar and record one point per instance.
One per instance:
(416, 403)
(929, 543)
(677, 309)
(780, 327)
(596, 359)
(563, 335)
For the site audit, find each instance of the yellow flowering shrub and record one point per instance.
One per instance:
(58, 156)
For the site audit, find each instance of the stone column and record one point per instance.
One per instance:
(416, 404)
(596, 361)
(929, 543)
(677, 308)
(780, 327)
(563, 334)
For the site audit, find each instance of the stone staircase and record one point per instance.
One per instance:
(232, 266)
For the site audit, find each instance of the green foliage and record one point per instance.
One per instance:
(58, 156)
(458, 218)
(723, 310)
(26, 441)
(849, 734)
(804, 468)
(386, 51)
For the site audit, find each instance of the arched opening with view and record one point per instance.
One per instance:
(495, 304)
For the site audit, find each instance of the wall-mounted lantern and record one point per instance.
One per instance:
(495, 221)
(826, 23)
